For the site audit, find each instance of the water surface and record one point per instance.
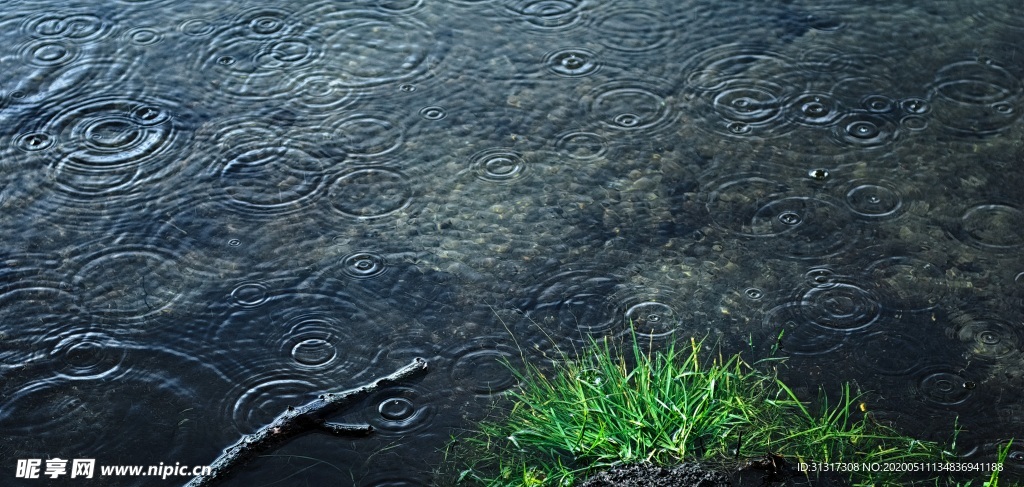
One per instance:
(211, 211)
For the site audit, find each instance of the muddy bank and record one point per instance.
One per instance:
(758, 473)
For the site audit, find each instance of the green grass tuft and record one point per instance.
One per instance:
(625, 404)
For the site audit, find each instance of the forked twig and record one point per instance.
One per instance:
(297, 420)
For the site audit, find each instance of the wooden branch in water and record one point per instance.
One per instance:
(297, 420)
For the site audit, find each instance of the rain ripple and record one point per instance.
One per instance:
(433, 113)
(746, 107)
(634, 30)
(908, 283)
(984, 448)
(748, 92)
(546, 15)
(266, 21)
(123, 281)
(572, 62)
(261, 398)
(399, 6)
(346, 266)
(267, 179)
(631, 105)
(76, 27)
(814, 109)
(370, 49)
(250, 294)
(987, 340)
(89, 355)
(581, 145)
(367, 137)
(262, 169)
(480, 365)
(571, 307)
(316, 92)
(789, 331)
(941, 387)
(219, 246)
(865, 129)
(257, 56)
(107, 150)
(400, 410)
(977, 97)
(841, 306)
(49, 52)
(798, 227)
(285, 349)
(61, 72)
(293, 331)
(370, 193)
(363, 265)
(891, 353)
(498, 165)
(196, 27)
(401, 286)
(113, 133)
(994, 226)
(874, 200)
(739, 90)
(709, 70)
(650, 313)
(144, 36)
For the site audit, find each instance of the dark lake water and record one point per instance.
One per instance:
(212, 210)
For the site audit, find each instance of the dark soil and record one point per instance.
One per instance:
(685, 475)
